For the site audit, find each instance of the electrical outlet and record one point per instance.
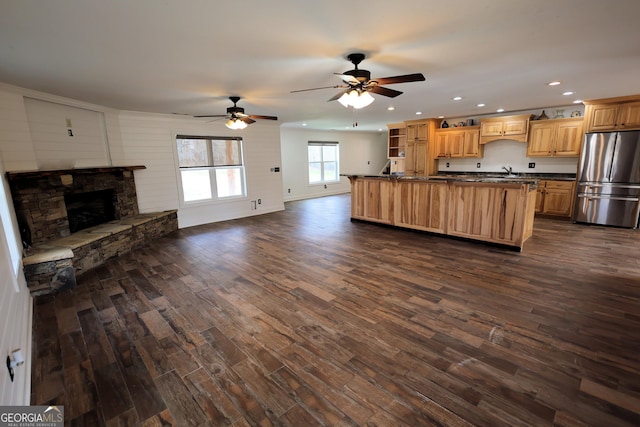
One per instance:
(69, 132)
(532, 165)
(259, 201)
(289, 190)
(447, 164)
(478, 165)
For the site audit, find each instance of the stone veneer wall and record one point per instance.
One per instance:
(39, 197)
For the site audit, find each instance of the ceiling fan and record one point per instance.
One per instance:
(237, 119)
(359, 84)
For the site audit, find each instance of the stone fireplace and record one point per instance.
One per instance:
(73, 220)
(44, 200)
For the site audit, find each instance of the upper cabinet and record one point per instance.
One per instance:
(506, 127)
(397, 140)
(418, 159)
(613, 114)
(458, 142)
(555, 138)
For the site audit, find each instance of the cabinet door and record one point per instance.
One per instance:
(455, 145)
(491, 128)
(471, 144)
(377, 200)
(602, 117)
(420, 157)
(409, 159)
(629, 116)
(421, 205)
(442, 139)
(558, 198)
(515, 127)
(569, 139)
(541, 136)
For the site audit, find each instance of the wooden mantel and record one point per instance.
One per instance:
(12, 176)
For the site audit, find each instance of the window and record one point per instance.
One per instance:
(323, 162)
(211, 168)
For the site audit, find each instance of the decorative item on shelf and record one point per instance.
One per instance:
(460, 124)
(454, 126)
(444, 124)
(559, 114)
(576, 113)
(542, 116)
(469, 122)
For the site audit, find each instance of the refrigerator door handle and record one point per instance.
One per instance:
(626, 199)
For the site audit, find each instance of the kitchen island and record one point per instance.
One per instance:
(497, 210)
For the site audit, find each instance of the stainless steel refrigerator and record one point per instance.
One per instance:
(608, 190)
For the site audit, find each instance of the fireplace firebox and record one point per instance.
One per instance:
(85, 210)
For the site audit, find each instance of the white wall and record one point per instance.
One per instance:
(360, 153)
(149, 139)
(16, 307)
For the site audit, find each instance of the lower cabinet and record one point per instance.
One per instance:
(555, 198)
(421, 205)
(500, 214)
(372, 200)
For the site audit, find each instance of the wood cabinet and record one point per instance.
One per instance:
(613, 114)
(372, 199)
(498, 213)
(421, 205)
(397, 140)
(418, 161)
(555, 198)
(555, 138)
(457, 142)
(514, 128)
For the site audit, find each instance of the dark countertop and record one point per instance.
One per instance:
(487, 177)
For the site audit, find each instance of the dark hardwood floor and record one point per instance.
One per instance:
(303, 318)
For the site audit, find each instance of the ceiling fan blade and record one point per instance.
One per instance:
(214, 115)
(384, 91)
(315, 88)
(336, 96)
(417, 77)
(347, 78)
(253, 116)
(247, 120)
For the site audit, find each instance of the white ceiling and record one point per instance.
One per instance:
(188, 56)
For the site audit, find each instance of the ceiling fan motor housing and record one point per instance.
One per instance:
(361, 75)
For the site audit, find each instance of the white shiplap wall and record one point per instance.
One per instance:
(15, 307)
(149, 140)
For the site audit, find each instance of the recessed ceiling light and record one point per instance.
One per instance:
(441, 117)
(418, 112)
(578, 101)
(480, 105)
(391, 108)
(554, 83)
(500, 110)
(568, 93)
(457, 98)
(304, 124)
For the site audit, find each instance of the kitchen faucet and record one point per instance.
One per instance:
(509, 171)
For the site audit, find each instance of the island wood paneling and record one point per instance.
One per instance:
(302, 317)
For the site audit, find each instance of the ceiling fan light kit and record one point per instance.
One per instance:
(236, 117)
(235, 124)
(359, 85)
(356, 99)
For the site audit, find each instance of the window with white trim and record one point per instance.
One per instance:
(211, 167)
(323, 162)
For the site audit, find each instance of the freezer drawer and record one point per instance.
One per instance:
(607, 210)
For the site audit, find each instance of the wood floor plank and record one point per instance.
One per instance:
(302, 317)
